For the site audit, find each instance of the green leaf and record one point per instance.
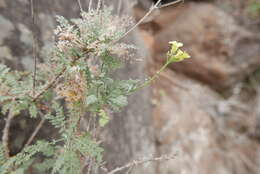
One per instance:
(2, 155)
(19, 106)
(110, 62)
(22, 169)
(59, 120)
(23, 159)
(119, 101)
(3, 98)
(7, 107)
(33, 110)
(3, 70)
(67, 162)
(63, 22)
(45, 165)
(128, 85)
(91, 99)
(104, 119)
(88, 147)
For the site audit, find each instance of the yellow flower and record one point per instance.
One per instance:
(176, 54)
(175, 46)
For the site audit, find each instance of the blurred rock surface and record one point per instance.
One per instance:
(218, 45)
(206, 109)
(188, 123)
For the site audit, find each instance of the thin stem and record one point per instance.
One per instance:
(80, 6)
(156, 75)
(49, 85)
(90, 5)
(140, 162)
(99, 4)
(140, 21)
(171, 3)
(174, 82)
(119, 7)
(34, 46)
(90, 166)
(129, 170)
(37, 129)
(5, 137)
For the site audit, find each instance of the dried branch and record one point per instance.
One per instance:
(34, 46)
(49, 85)
(99, 4)
(171, 3)
(80, 6)
(90, 5)
(6, 130)
(170, 79)
(37, 129)
(140, 21)
(119, 7)
(140, 162)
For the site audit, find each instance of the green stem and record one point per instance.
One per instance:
(155, 76)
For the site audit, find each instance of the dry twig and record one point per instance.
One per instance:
(140, 21)
(140, 162)
(33, 135)
(34, 46)
(80, 6)
(49, 85)
(171, 3)
(90, 5)
(119, 7)
(6, 130)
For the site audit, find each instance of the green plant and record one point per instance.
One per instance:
(254, 8)
(78, 74)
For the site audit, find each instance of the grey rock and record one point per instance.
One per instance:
(219, 47)
(3, 4)
(5, 53)
(26, 35)
(6, 28)
(27, 62)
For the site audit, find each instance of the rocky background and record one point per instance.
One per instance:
(206, 109)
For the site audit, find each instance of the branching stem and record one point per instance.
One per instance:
(80, 6)
(171, 3)
(140, 162)
(154, 77)
(140, 21)
(49, 85)
(6, 130)
(37, 129)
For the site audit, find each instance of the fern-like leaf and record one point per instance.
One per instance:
(88, 147)
(58, 121)
(23, 159)
(67, 163)
(2, 155)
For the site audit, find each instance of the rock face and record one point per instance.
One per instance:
(218, 45)
(188, 124)
(210, 132)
